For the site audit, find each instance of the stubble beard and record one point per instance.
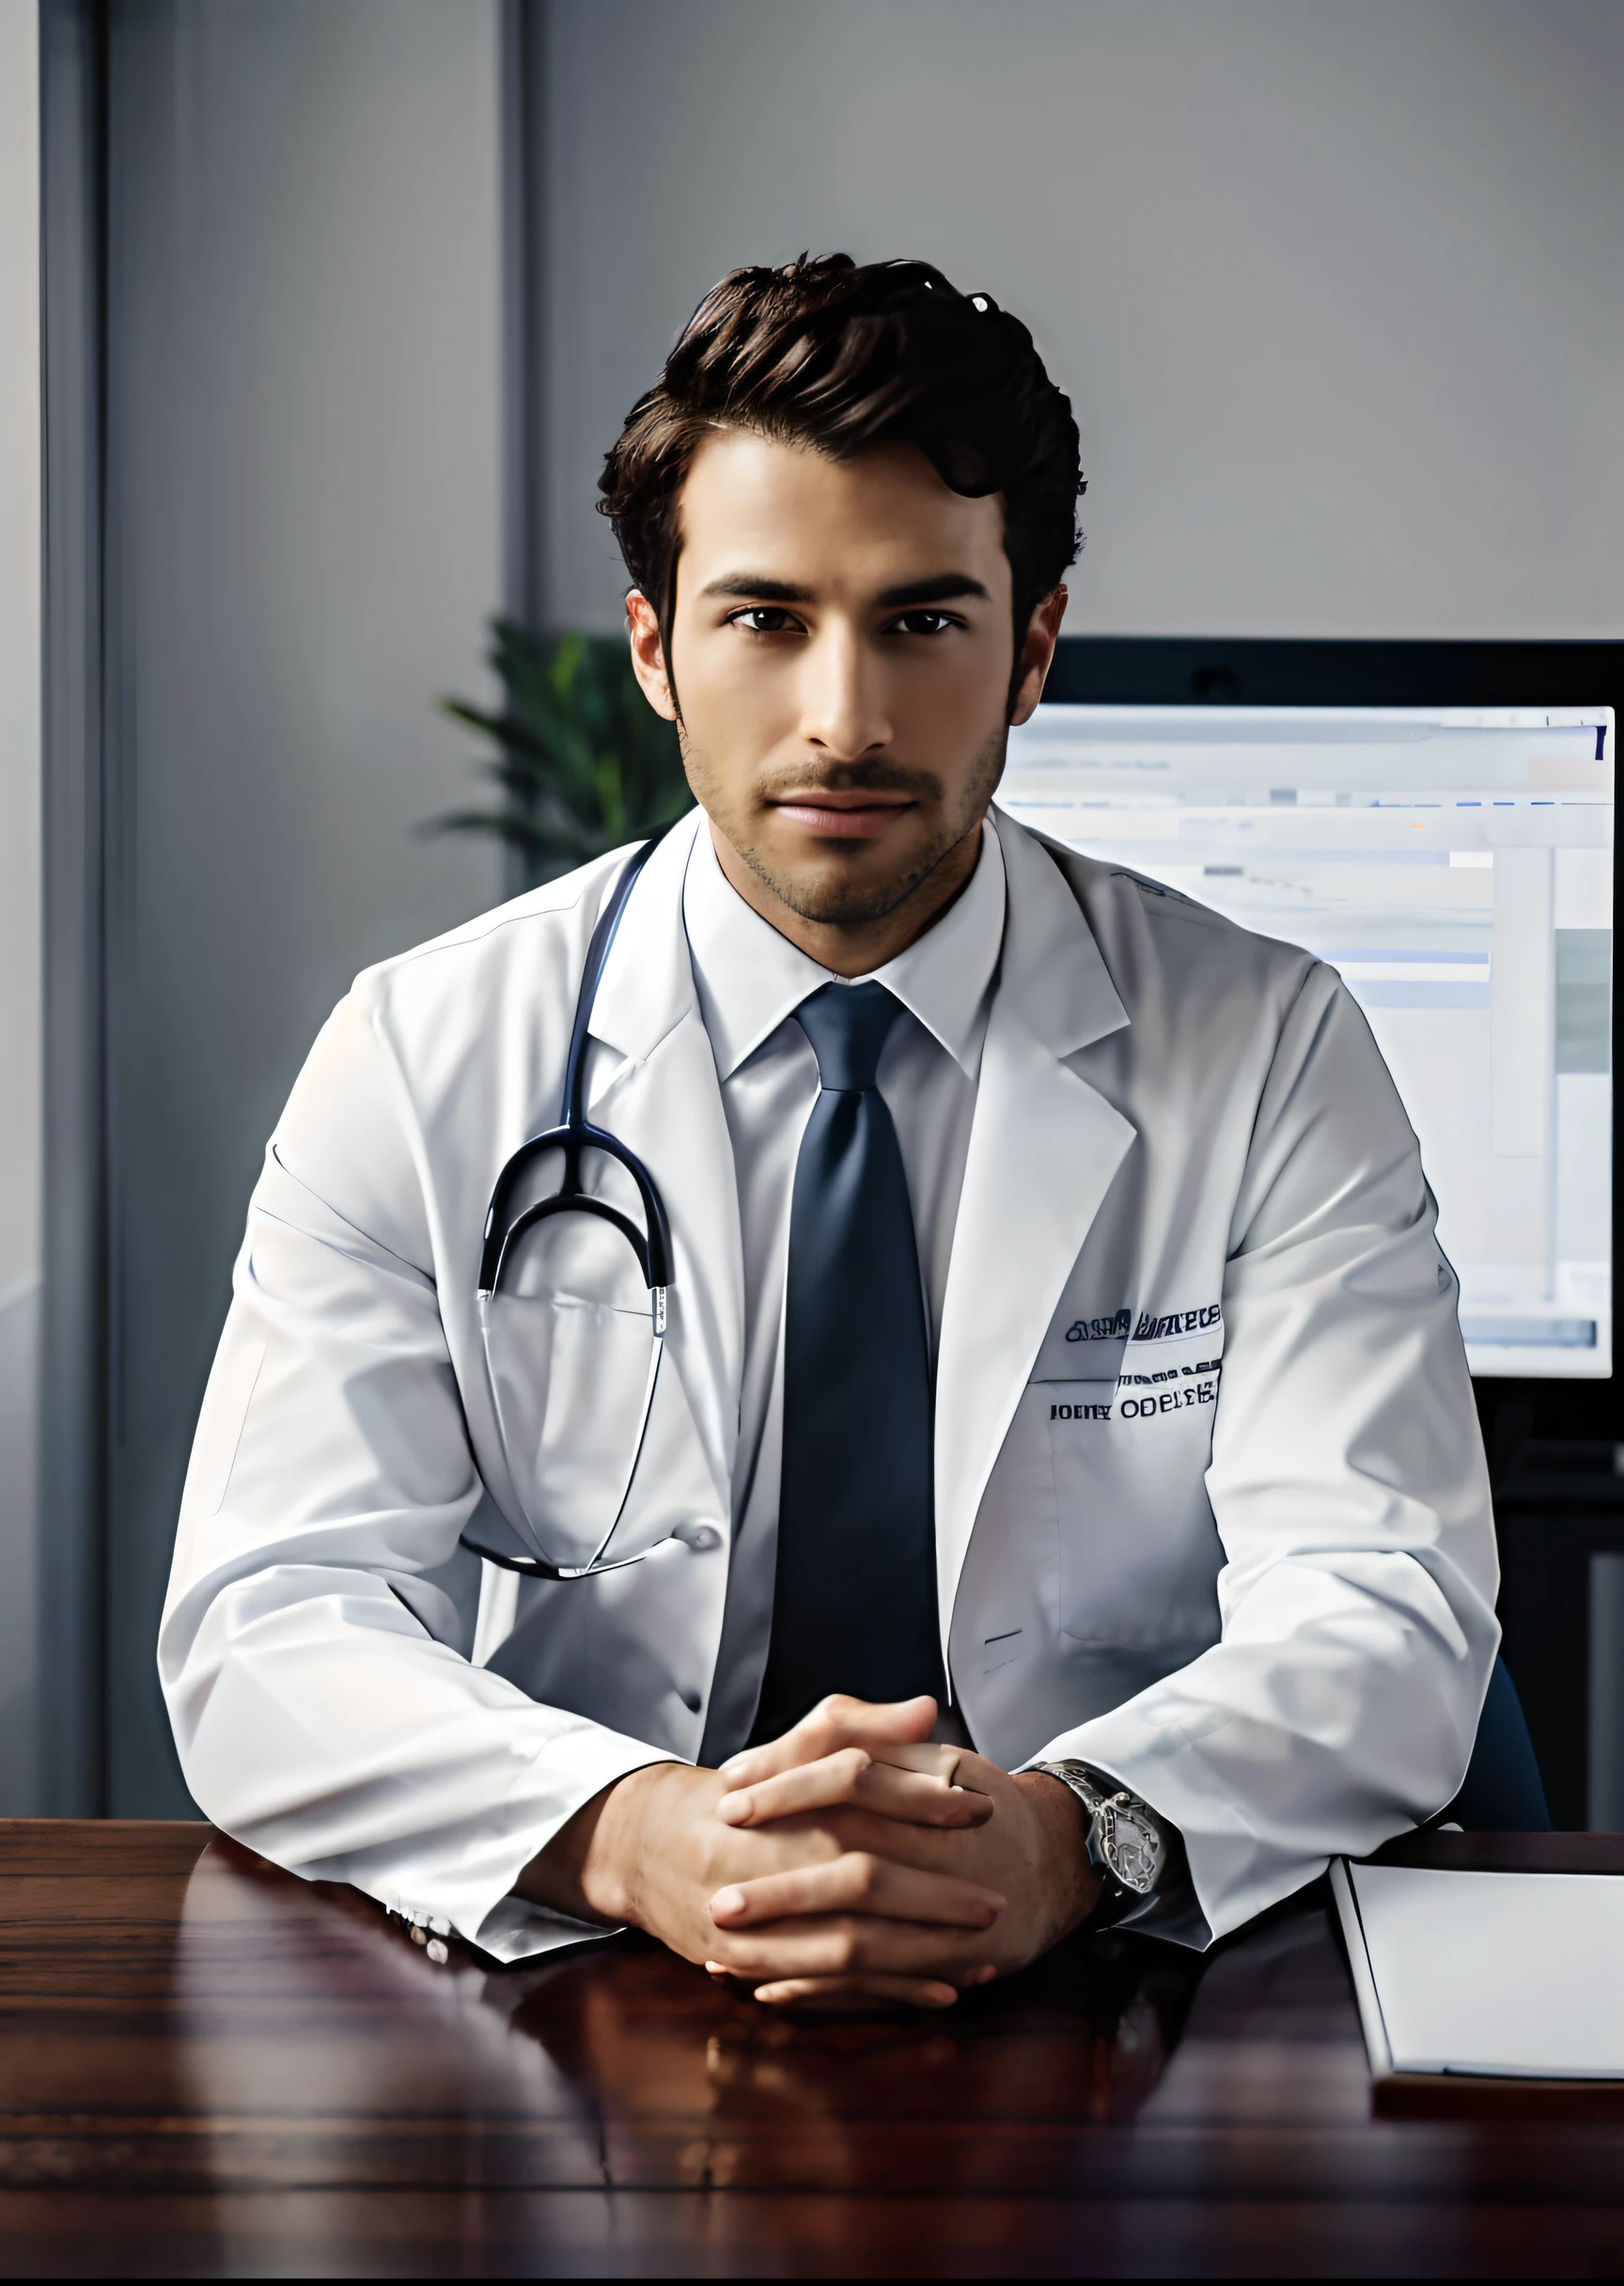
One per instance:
(834, 901)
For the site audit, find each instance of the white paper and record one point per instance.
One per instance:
(1516, 1975)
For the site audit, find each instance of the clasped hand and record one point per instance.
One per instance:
(849, 1861)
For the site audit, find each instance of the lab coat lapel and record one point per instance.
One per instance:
(1044, 1146)
(665, 1102)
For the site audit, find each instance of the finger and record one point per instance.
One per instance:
(954, 1765)
(842, 1994)
(835, 1722)
(858, 1882)
(820, 1785)
(852, 1777)
(845, 1993)
(928, 1991)
(928, 1756)
(850, 1943)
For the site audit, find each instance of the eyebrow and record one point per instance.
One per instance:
(941, 588)
(761, 591)
(938, 588)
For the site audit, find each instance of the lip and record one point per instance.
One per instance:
(843, 817)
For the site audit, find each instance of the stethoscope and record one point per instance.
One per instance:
(574, 1136)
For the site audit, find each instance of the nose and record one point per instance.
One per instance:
(843, 712)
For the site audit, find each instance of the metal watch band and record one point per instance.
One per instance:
(1124, 1839)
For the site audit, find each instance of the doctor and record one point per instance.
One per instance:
(976, 1438)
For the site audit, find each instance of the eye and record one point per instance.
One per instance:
(764, 620)
(924, 623)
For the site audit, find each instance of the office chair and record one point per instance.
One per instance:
(1503, 1792)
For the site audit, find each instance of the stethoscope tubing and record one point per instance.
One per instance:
(576, 1134)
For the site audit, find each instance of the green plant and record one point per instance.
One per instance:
(584, 760)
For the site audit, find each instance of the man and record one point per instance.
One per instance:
(1055, 1492)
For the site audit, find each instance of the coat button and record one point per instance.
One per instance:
(701, 1537)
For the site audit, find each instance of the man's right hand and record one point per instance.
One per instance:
(650, 1852)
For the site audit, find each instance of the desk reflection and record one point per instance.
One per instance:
(247, 2076)
(313, 2027)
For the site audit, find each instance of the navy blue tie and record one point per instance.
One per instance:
(854, 1599)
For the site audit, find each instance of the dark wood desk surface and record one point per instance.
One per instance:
(206, 2067)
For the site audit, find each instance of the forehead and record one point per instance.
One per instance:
(752, 503)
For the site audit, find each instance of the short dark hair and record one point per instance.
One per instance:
(845, 358)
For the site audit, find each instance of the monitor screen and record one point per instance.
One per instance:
(1455, 864)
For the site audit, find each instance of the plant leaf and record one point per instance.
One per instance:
(583, 760)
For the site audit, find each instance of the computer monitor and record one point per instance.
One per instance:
(1436, 822)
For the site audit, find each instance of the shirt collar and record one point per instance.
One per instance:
(749, 979)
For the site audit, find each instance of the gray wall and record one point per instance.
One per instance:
(305, 367)
(20, 880)
(1337, 288)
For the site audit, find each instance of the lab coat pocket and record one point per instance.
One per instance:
(1138, 1546)
(575, 1382)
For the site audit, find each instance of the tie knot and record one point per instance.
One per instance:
(848, 1025)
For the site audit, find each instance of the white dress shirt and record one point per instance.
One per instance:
(750, 982)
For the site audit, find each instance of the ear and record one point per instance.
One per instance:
(1037, 653)
(648, 654)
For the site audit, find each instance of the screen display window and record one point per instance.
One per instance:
(1455, 864)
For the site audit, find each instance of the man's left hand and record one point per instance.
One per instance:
(1031, 1850)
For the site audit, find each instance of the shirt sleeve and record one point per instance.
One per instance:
(324, 1711)
(1356, 1596)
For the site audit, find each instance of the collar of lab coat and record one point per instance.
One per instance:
(1053, 973)
(646, 987)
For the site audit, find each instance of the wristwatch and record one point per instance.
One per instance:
(1125, 1842)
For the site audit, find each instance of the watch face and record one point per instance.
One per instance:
(1130, 1846)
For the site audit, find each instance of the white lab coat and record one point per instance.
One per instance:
(1210, 1503)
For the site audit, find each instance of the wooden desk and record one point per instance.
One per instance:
(206, 2067)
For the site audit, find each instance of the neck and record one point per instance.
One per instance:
(855, 948)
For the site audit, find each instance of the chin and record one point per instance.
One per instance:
(840, 891)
